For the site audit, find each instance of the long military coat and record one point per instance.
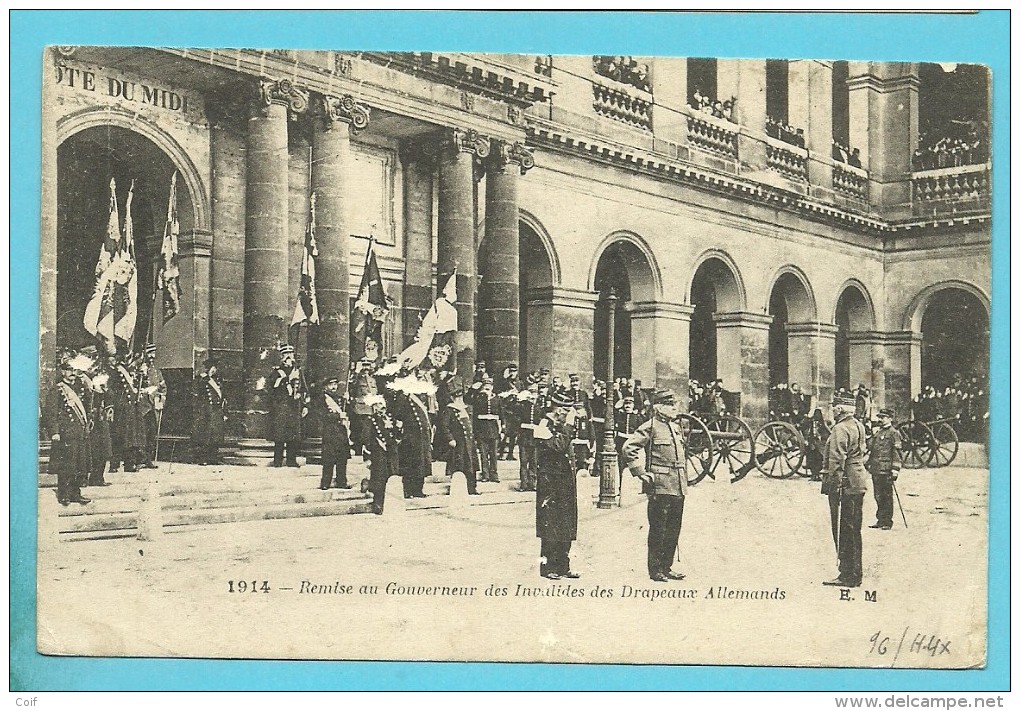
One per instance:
(286, 401)
(556, 493)
(416, 445)
(127, 427)
(336, 439)
(455, 426)
(66, 416)
(208, 407)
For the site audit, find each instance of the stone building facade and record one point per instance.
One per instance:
(545, 182)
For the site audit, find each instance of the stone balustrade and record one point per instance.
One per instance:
(621, 106)
(850, 181)
(713, 135)
(786, 159)
(955, 189)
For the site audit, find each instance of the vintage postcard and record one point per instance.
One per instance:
(518, 358)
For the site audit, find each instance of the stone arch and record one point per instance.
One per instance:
(536, 227)
(77, 122)
(800, 303)
(862, 313)
(914, 314)
(730, 293)
(645, 276)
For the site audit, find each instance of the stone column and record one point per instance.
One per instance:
(867, 362)
(813, 358)
(902, 370)
(333, 121)
(48, 232)
(417, 288)
(811, 109)
(884, 125)
(266, 298)
(561, 331)
(498, 258)
(457, 234)
(745, 79)
(660, 351)
(228, 118)
(742, 347)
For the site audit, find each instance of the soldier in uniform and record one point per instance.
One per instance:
(362, 386)
(507, 390)
(416, 445)
(556, 496)
(582, 438)
(844, 480)
(626, 423)
(287, 406)
(127, 433)
(385, 455)
(578, 394)
(456, 431)
(655, 454)
(67, 422)
(209, 411)
(884, 465)
(598, 413)
(528, 414)
(150, 402)
(101, 415)
(508, 379)
(488, 428)
(336, 440)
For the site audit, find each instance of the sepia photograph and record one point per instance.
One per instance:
(444, 356)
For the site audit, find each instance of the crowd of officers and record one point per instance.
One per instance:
(102, 412)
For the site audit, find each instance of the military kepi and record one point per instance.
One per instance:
(664, 397)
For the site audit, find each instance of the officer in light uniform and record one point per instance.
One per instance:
(884, 465)
(844, 480)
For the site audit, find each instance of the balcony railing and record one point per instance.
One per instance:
(621, 106)
(850, 181)
(787, 160)
(958, 189)
(711, 134)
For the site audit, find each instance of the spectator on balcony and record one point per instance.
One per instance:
(855, 158)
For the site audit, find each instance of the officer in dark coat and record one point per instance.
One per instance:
(101, 416)
(412, 409)
(384, 450)
(455, 429)
(127, 433)
(529, 415)
(656, 455)
(844, 480)
(884, 466)
(336, 441)
(209, 411)
(556, 495)
(287, 405)
(626, 423)
(362, 386)
(488, 427)
(66, 420)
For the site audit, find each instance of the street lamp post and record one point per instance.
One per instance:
(607, 456)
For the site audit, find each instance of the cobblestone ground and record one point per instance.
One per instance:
(755, 554)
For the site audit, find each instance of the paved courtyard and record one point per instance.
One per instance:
(462, 582)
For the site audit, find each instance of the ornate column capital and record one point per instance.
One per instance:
(507, 154)
(282, 92)
(468, 141)
(343, 109)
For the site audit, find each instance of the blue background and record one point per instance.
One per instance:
(982, 38)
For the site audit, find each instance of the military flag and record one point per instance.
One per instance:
(307, 309)
(371, 308)
(112, 310)
(434, 340)
(169, 277)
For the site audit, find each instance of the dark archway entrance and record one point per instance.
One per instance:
(789, 303)
(853, 315)
(536, 279)
(713, 290)
(623, 268)
(954, 343)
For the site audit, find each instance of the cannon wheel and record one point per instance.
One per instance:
(947, 444)
(918, 444)
(734, 446)
(779, 450)
(698, 446)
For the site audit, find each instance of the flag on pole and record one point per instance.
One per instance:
(126, 279)
(169, 278)
(307, 308)
(435, 334)
(99, 317)
(371, 308)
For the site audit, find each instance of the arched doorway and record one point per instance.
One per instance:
(536, 280)
(714, 289)
(954, 345)
(624, 269)
(86, 161)
(790, 302)
(853, 316)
